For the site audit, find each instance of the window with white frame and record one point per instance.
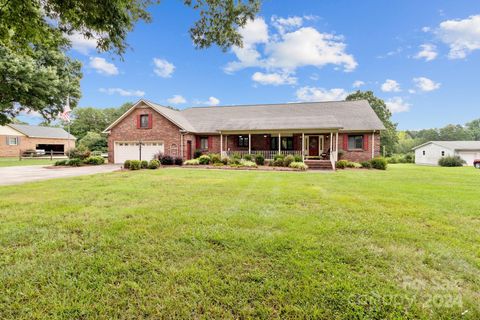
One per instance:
(12, 141)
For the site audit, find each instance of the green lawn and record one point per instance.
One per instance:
(186, 243)
(11, 162)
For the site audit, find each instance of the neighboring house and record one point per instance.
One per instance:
(430, 152)
(322, 128)
(18, 138)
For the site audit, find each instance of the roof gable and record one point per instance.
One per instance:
(42, 132)
(453, 145)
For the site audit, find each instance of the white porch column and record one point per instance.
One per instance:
(221, 145)
(249, 143)
(303, 146)
(279, 143)
(331, 145)
(226, 142)
(181, 145)
(336, 146)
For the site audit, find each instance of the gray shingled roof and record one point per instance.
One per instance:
(42, 132)
(454, 145)
(345, 115)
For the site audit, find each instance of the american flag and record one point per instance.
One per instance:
(65, 115)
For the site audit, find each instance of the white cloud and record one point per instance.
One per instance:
(212, 101)
(462, 36)
(122, 92)
(177, 99)
(320, 94)
(390, 86)
(428, 52)
(285, 24)
(425, 84)
(397, 104)
(82, 44)
(426, 29)
(102, 66)
(275, 79)
(289, 50)
(163, 68)
(358, 84)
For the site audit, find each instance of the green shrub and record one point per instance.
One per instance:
(366, 164)
(215, 158)
(259, 159)
(204, 159)
(351, 164)
(144, 164)
(391, 160)
(61, 163)
(298, 158)
(165, 159)
(277, 163)
(178, 161)
(135, 165)
(74, 162)
(225, 160)
(298, 165)
(451, 161)
(246, 163)
(248, 157)
(278, 156)
(410, 158)
(379, 163)
(81, 152)
(342, 164)
(94, 160)
(234, 160)
(192, 162)
(287, 160)
(154, 164)
(126, 164)
(218, 164)
(236, 155)
(197, 154)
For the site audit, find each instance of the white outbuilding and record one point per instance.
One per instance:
(430, 152)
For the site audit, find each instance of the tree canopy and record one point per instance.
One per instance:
(388, 138)
(37, 75)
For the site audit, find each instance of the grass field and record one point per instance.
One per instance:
(11, 162)
(184, 243)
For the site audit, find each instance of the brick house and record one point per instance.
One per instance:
(18, 138)
(326, 130)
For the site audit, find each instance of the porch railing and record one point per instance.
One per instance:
(267, 154)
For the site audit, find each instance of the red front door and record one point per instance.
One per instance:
(313, 146)
(189, 150)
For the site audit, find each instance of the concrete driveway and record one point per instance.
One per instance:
(16, 175)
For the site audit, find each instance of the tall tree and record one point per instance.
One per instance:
(474, 128)
(35, 72)
(388, 137)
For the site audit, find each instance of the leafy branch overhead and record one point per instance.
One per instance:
(33, 42)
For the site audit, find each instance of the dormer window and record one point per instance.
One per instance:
(144, 121)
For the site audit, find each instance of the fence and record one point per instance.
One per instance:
(34, 154)
(267, 154)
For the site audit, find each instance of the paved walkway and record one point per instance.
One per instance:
(22, 174)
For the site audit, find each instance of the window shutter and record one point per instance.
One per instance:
(197, 143)
(18, 141)
(138, 121)
(150, 121)
(365, 142)
(210, 139)
(345, 142)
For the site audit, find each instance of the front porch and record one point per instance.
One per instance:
(314, 145)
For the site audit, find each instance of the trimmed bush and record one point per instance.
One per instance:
(225, 160)
(366, 164)
(287, 160)
(410, 158)
(144, 164)
(236, 155)
(342, 164)
(218, 164)
(379, 163)
(80, 152)
(166, 160)
(246, 163)
(351, 164)
(126, 164)
(192, 162)
(204, 159)
(298, 165)
(259, 159)
(451, 161)
(298, 158)
(178, 161)
(197, 154)
(278, 156)
(248, 157)
(154, 164)
(74, 162)
(135, 165)
(235, 161)
(61, 163)
(94, 160)
(215, 158)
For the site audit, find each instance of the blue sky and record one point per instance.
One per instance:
(422, 57)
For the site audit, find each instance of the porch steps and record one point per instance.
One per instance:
(319, 164)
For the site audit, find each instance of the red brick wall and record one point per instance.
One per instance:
(27, 143)
(360, 155)
(162, 130)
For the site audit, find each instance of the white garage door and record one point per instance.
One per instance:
(469, 157)
(131, 150)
